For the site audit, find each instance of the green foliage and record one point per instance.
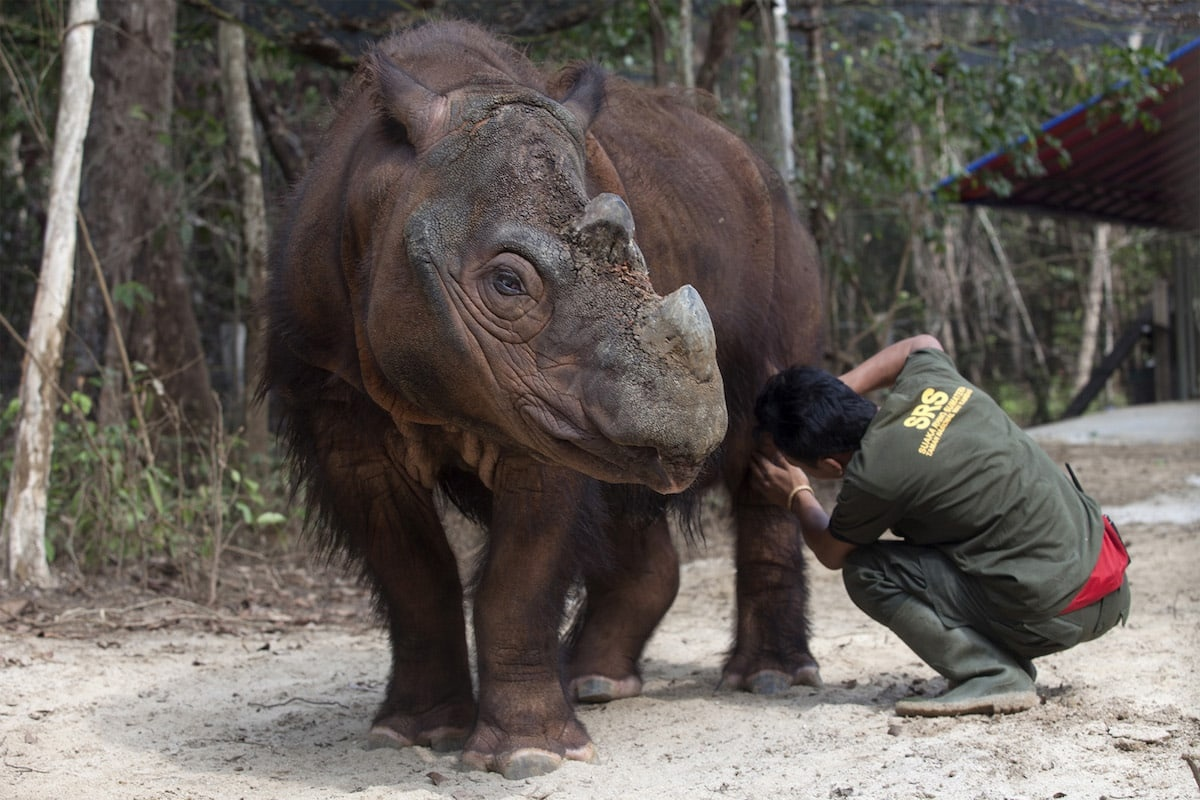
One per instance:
(910, 100)
(620, 39)
(1130, 78)
(111, 504)
(132, 296)
(905, 108)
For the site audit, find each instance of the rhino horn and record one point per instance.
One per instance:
(681, 326)
(424, 113)
(606, 212)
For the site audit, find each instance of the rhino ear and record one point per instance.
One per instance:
(423, 113)
(586, 95)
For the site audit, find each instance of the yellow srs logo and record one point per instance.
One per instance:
(932, 402)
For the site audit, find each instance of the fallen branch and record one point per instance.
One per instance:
(72, 614)
(20, 768)
(300, 700)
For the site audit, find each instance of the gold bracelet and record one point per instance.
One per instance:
(797, 491)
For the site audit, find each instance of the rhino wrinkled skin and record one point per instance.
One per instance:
(492, 290)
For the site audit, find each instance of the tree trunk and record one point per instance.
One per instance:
(775, 87)
(231, 47)
(1039, 376)
(819, 189)
(130, 205)
(24, 524)
(947, 255)
(687, 61)
(722, 35)
(1093, 303)
(285, 145)
(935, 283)
(658, 44)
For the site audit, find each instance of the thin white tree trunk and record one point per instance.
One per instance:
(231, 47)
(1014, 291)
(783, 84)
(773, 92)
(934, 279)
(1093, 303)
(819, 190)
(24, 525)
(687, 64)
(947, 258)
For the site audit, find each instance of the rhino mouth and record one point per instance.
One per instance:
(589, 451)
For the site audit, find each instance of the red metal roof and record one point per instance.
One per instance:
(1118, 172)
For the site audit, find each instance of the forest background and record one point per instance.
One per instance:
(162, 463)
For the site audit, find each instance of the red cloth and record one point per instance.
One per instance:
(1108, 573)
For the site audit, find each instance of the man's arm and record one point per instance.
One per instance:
(814, 525)
(778, 480)
(881, 370)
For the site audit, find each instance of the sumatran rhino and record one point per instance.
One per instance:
(488, 289)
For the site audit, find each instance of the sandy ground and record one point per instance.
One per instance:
(152, 697)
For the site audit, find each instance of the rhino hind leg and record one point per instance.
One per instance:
(623, 606)
(771, 653)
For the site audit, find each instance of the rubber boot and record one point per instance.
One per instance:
(985, 678)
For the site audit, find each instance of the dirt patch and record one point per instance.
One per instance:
(114, 692)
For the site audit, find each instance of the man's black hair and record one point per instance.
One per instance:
(811, 414)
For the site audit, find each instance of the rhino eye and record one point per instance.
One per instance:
(507, 285)
(508, 295)
(507, 282)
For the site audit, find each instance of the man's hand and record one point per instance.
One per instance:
(775, 478)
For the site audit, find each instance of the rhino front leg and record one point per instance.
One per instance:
(429, 701)
(526, 726)
(390, 526)
(771, 653)
(623, 606)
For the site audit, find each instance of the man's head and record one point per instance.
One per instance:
(812, 415)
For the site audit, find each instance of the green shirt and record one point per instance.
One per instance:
(943, 466)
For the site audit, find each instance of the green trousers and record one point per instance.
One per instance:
(881, 576)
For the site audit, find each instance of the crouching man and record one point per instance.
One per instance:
(1000, 557)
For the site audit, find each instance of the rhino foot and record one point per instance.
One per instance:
(808, 676)
(769, 682)
(528, 762)
(442, 740)
(772, 681)
(602, 689)
(443, 729)
(525, 761)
